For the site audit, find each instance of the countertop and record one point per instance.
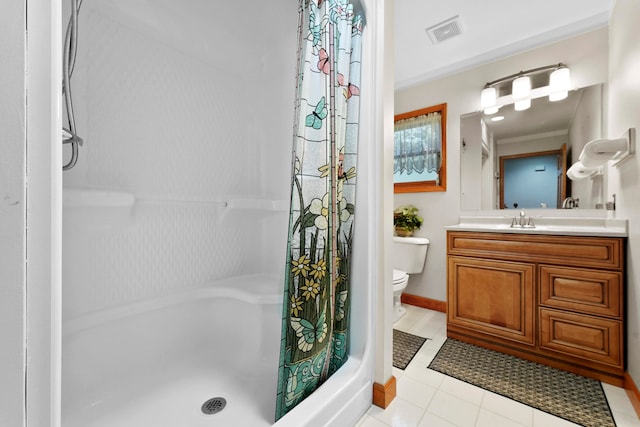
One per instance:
(570, 226)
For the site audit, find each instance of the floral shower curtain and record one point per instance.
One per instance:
(315, 341)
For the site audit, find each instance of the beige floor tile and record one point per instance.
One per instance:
(508, 408)
(491, 419)
(400, 413)
(463, 390)
(453, 409)
(415, 392)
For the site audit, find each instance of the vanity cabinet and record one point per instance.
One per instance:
(493, 297)
(556, 300)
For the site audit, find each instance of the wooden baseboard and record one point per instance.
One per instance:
(423, 302)
(384, 394)
(632, 392)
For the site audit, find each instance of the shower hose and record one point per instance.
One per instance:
(69, 135)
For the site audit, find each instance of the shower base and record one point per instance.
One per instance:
(177, 401)
(156, 362)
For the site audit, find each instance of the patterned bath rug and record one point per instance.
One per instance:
(405, 346)
(563, 394)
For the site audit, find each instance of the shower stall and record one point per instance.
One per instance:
(175, 215)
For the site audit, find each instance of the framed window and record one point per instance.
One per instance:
(419, 160)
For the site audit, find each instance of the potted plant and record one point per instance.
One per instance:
(406, 220)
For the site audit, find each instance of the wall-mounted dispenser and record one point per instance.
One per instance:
(579, 171)
(599, 151)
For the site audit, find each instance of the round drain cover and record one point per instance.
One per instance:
(214, 405)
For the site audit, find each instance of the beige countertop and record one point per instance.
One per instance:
(570, 226)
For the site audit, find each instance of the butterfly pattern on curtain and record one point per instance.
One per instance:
(315, 321)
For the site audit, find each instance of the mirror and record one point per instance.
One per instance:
(521, 160)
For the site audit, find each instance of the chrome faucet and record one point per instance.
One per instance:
(522, 221)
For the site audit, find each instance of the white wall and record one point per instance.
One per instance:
(12, 212)
(488, 180)
(586, 55)
(382, 185)
(624, 181)
(43, 214)
(531, 143)
(471, 162)
(588, 124)
(181, 131)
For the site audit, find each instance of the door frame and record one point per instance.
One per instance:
(562, 168)
(43, 193)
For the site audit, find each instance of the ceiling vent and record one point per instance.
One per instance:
(445, 30)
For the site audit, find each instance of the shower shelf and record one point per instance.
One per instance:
(93, 209)
(258, 204)
(182, 202)
(252, 209)
(232, 204)
(89, 198)
(96, 198)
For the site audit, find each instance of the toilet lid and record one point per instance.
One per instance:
(399, 276)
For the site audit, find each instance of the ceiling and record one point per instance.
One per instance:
(490, 30)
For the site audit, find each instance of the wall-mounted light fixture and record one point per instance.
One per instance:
(519, 89)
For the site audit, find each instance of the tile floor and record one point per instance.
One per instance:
(429, 398)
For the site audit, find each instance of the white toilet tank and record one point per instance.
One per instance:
(410, 253)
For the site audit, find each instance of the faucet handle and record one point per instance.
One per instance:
(523, 219)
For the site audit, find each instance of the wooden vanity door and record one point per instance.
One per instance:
(492, 297)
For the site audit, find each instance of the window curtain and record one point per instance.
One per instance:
(418, 144)
(316, 309)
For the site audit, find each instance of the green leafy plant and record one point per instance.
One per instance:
(406, 218)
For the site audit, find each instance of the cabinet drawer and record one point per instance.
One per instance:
(586, 291)
(575, 251)
(592, 339)
(493, 297)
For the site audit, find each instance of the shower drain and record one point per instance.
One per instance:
(214, 405)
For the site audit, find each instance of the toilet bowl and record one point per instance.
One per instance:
(409, 255)
(400, 280)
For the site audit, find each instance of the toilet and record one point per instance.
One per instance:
(409, 255)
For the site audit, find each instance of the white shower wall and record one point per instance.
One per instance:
(187, 115)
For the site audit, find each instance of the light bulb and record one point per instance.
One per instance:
(488, 97)
(521, 87)
(558, 96)
(522, 105)
(491, 110)
(559, 84)
(560, 80)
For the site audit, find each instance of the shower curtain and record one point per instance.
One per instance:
(315, 322)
